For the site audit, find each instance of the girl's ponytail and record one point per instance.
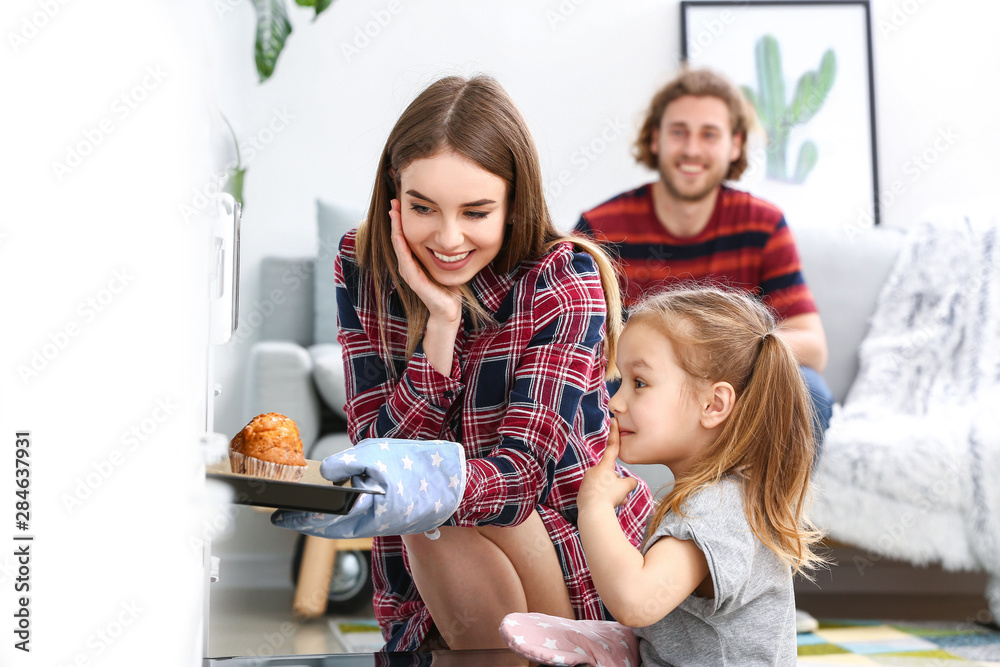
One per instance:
(771, 425)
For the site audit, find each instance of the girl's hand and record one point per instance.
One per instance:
(443, 305)
(601, 484)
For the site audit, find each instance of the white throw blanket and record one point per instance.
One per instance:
(911, 465)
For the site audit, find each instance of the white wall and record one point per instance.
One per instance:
(581, 71)
(104, 329)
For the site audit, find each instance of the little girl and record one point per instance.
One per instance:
(710, 390)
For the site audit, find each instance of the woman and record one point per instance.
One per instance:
(466, 316)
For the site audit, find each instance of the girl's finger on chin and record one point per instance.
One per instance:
(614, 441)
(614, 436)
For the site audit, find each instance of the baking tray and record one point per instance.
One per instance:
(312, 493)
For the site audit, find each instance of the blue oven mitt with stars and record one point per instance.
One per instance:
(422, 483)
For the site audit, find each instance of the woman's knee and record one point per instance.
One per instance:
(520, 543)
(528, 537)
(448, 539)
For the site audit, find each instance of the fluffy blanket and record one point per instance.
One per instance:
(911, 465)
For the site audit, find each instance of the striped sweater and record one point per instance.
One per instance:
(745, 244)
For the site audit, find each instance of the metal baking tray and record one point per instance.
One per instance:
(312, 493)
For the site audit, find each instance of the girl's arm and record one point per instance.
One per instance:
(638, 590)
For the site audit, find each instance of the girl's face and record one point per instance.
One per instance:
(657, 406)
(453, 216)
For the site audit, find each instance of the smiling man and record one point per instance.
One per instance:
(690, 225)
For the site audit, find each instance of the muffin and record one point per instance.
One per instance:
(269, 446)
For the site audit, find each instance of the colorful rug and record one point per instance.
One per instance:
(357, 635)
(835, 643)
(906, 643)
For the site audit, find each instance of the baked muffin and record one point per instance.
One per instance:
(269, 446)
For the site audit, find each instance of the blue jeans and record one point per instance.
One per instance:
(822, 400)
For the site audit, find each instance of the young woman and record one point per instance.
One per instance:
(466, 316)
(710, 391)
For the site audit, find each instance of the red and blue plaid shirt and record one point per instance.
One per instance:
(526, 398)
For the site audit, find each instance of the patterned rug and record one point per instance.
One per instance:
(906, 643)
(903, 643)
(357, 635)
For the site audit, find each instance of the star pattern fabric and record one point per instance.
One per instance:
(419, 485)
(551, 640)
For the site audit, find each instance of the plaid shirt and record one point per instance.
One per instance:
(526, 398)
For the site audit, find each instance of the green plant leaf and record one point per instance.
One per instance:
(827, 70)
(234, 183)
(805, 102)
(812, 89)
(273, 29)
(808, 155)
(319, 5)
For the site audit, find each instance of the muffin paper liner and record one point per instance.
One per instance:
(248, 465)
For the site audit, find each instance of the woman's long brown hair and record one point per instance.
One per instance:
(474, 118)
(767, 441)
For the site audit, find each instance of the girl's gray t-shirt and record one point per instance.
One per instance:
(751, 619)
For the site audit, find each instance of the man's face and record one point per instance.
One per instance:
(694, 145)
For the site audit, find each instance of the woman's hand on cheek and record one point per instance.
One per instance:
(442, 303)
(601, 484)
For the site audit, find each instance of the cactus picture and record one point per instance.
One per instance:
(778, 116)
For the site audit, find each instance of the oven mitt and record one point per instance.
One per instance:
(420, 483)
(551, 640)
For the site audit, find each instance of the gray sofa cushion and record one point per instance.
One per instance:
(284, 308)
(846, 273)
(328, 374)
(334, 221)
(280, 380)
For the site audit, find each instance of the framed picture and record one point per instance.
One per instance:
(806, 67)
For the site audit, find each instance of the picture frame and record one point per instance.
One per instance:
(806, 68)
